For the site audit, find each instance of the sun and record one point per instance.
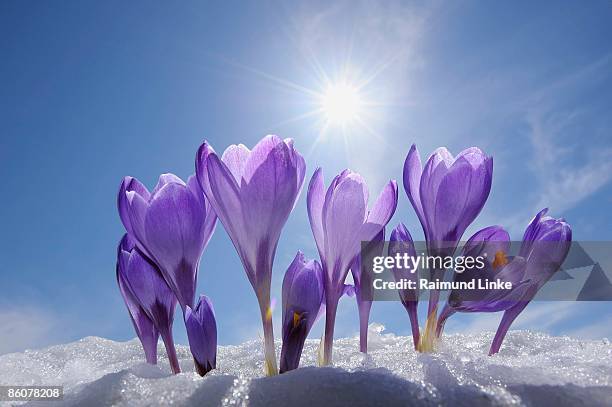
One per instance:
(341, 103)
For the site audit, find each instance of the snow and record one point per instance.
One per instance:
(531, 369)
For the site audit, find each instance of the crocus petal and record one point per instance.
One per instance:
(141, 283)
(223, 193)
(137, 211)
(487, 242)
(533, 226)
(202, 335)
(299, 163)
(129, 184)
(315, 200)
(361, 264)
(412, 180)
(143, 325)
(235, 157)
(268, 188)
(293, 344)
(466, 193)
(343, 218)
(306, 293)
(294, 268)
(382, 211)
(166, 179)
(210, 218)
(151, 290)
(494, 300)
(174, 226)
(546, 244)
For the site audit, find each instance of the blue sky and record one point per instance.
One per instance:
(93, 91)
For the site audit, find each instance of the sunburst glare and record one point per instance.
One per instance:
(341, 103)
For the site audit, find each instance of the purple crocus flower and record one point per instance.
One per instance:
(545, 245)
(401, 243)
(303, 297)
(492, 244)
(340, 221)
(361, 271)
(141, 281)
(202, 335)
(171, 225)
(146, 331)
(447, 194)
(253, 192)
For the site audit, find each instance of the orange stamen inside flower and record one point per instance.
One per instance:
(296, 319)
(500, 259)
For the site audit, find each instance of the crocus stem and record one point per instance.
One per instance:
(426, 343)
(507, 320)
(364, 316)
(268, 330)
(446, 312)
(328, 339)
(432, 306)
(170, 351)
(414, 324)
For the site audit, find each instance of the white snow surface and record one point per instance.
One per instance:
(532, 369)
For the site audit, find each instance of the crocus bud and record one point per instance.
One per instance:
(401, 243)
(202, 335)
(303, 297)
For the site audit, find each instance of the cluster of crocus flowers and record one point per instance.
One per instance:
(170, 226)
(253, 192)
(545, 245)
(447, 194)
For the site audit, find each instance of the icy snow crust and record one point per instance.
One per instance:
(531, 369)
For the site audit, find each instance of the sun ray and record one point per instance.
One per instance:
(370, 131)
(280, 81)
(314, 112)
(322, 130)
(380, 68)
